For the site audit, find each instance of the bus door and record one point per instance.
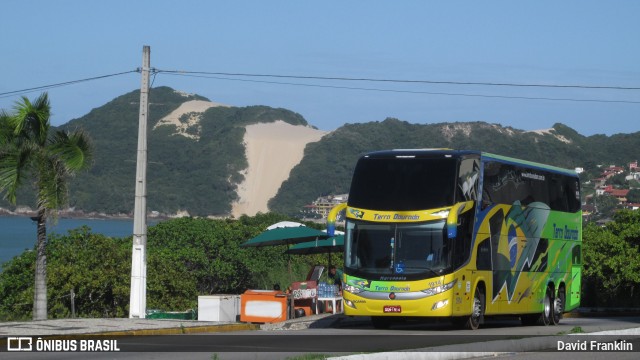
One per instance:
(573, 300)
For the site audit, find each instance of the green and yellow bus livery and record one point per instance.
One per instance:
(460, 235)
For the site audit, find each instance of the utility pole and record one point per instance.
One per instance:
(138, 299)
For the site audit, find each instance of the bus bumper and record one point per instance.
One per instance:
(439, 305)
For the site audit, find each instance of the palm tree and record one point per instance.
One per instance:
(29, 151)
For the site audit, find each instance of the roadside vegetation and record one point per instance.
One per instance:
(611, 259)
(187, 257)
(31, 154)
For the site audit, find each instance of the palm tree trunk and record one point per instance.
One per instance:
(40, 289)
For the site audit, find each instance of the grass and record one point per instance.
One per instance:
(574, 330)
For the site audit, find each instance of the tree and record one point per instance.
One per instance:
(606, 206)
(29, 149)
(187, 257)
(612, 261)
(620, 180)
(633, 196)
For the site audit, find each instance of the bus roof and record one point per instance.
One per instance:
(406, 153)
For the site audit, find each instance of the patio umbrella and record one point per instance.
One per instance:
(328, 246)
(332, 244)
(285, 233)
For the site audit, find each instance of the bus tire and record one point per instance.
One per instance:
(544, 319)
(477, 312)
(381, 322)
(558, 306)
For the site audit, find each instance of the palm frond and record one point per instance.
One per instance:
(6, 128)
(31, 120)
(72, 149)
(26, 149)
(14, 162)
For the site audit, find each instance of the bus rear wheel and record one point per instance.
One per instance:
(547, 308)
(558, 307)
(543, 318)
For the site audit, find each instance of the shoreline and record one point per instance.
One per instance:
(80, 215)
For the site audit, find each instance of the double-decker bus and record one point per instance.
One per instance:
(461, 235)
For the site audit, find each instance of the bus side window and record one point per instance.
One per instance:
(462, 245)
(483, 258)
(486, 199)
(576, 256)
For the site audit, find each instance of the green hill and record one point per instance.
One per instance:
(328, 165)
(200, 175)
(195, 175)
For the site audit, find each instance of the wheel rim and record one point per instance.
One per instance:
(547, 305)
(474, 321)
(558, 306)
(477, 308)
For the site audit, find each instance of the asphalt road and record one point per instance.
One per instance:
(346, 340)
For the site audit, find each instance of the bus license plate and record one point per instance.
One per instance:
(391, 309)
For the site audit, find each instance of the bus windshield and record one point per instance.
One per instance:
(405, 184)
(409, 250)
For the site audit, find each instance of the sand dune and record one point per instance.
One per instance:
(193, 109)
(272, 149)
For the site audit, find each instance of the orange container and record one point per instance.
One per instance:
(263, 306)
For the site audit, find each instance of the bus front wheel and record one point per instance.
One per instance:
(477, 313)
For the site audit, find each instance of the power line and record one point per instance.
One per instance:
(302, 77)
(221, 76)
(44, 87)
(191, 74)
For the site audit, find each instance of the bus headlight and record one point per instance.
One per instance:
(352, 289)
(440, 304)
(350, 303)
(439, 289)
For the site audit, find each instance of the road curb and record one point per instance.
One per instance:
(181, 330)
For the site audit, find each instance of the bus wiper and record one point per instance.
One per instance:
(435, 273)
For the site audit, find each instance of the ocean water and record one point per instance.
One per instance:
(18, 233)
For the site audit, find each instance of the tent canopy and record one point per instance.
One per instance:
(331, 245)
(285, 234)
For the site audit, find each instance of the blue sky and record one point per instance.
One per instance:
(592, 43)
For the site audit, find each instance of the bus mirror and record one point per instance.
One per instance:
(331, 218)
(454, 213)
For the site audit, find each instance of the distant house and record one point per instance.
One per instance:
(634, 171)
(633, 206)
(611, 171)
(599, 182)
(588, 210)
(620, 194)
(324, 204)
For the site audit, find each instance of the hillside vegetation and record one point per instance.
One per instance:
(328, 164)
(200, 175)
